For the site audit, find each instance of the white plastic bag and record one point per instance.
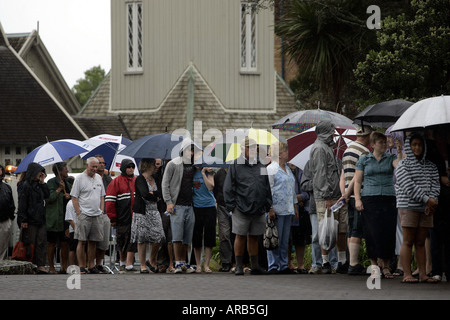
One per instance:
(328, 228)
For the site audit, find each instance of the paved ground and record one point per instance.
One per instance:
(215, 286)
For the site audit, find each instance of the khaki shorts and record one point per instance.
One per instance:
(88, 228)
(415, 219)
(104, 245)
(341, 215)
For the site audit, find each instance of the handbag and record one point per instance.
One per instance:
(270, 238)
(23, 251)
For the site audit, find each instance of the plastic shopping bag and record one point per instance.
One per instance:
(328, 228)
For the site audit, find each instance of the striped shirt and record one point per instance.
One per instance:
(351, 156)
(417, 181)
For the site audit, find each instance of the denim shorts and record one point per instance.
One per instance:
(182, 223)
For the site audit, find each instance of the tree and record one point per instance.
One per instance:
(85, 87)
(325, 39)
(413, 58)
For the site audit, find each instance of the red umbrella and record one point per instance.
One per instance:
(301, 144)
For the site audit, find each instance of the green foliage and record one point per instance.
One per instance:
(85, 87)
(412, 60)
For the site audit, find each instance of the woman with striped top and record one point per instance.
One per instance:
(417, 192)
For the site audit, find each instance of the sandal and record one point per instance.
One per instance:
(429, 280)
(410, 280)
(398, 272)
(388, 274)
(208, 270)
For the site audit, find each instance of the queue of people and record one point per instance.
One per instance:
(392, 193)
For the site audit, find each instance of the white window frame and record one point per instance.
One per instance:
(135, 44)
(248, 37)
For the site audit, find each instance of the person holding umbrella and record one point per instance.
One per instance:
(177, 192)
(57, 227)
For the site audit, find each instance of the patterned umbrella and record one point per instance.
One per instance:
(53, 152)
(301, 144)
(300, 121)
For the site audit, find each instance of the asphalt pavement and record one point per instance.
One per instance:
(214, 286)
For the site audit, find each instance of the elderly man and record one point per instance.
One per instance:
(88, 198)
(247, 195)
(326, 170)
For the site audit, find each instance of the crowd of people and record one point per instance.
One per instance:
(395, 192)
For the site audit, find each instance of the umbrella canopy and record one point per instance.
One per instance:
(425, 113)
(301, 144)
(164, 146)
(383, 114)
(230, 143)
(300, 121)
(53, 152)
(109, 146)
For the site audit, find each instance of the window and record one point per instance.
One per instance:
(134, 36)
(18, 150)
(248, 36)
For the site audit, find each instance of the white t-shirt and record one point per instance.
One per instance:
(71, 215)
(89, 192)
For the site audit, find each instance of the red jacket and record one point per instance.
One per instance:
(120, 199)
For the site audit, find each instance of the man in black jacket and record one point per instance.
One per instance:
(7, 209)
(247, 195)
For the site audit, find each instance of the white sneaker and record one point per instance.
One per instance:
(178, 268)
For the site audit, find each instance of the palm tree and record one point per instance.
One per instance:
(323, 38)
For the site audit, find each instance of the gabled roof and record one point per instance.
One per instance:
(30, 114)
(31, 43)
(171, 114)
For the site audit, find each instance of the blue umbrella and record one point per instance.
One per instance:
(108, 150)
(163, 146)
(53, 152)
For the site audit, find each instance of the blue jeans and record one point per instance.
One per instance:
(278, 258)
(182, 224)
(316, 253)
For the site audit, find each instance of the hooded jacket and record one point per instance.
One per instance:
(173, 174)
(32, 197)
(325, 167)
(417, 180)
(119, 197)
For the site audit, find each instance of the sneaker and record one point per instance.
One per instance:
(93, 270)
(178, 268)
(101, 269)
(326, 268)
(189, 269)
(342, 268)
(315, 270)
(122, 269)
(357, 270)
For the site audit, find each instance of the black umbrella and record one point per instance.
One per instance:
(383, 114)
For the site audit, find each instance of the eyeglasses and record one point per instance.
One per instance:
(102, 163)
(131, 166)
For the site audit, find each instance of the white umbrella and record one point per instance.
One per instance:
(109, 146)
(427, 112)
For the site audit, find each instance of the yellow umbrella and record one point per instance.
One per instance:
(262, 137)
